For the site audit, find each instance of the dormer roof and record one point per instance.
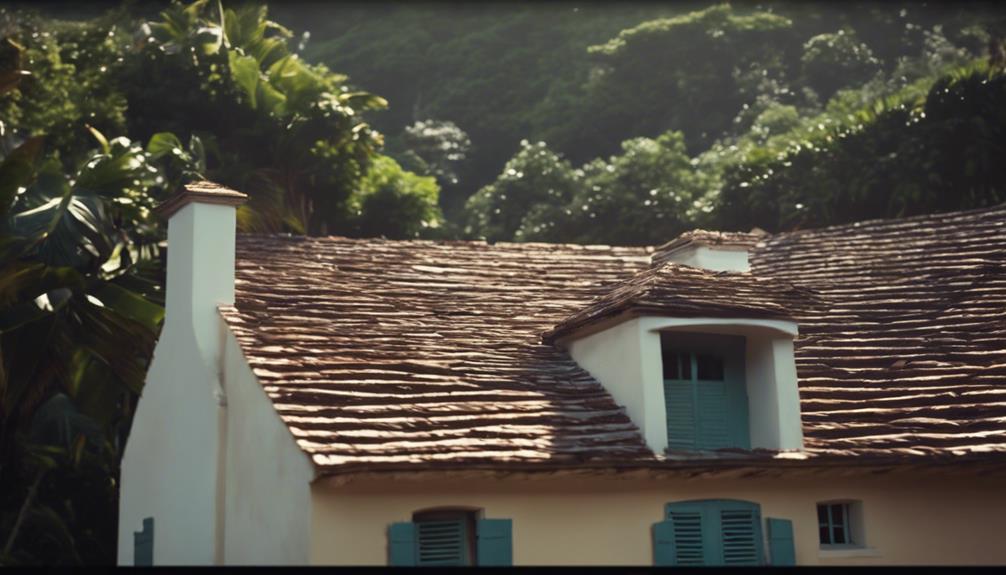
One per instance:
(683, 291)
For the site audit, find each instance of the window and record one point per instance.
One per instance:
(705, 396)
(839, 524)
(709, 532)
(721, 532)
(143, 544)
(445, 537)
(450, 537)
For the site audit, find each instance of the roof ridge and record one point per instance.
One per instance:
(644, 249)
(893, 220)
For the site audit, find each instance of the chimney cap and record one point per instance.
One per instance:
(202, 192)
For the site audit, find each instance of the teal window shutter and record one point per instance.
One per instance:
(442, 543)
(781, 548)
(495, 542)
(663, 543)
(690, 533)
(402, 548)
(714, 414)
(705, 396)
(740, 532)
(709, 532)
(143, 544)
(679, 398)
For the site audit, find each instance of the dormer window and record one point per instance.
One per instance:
(705, 394)
(701, 360)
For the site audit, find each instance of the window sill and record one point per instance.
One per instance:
(847, 552)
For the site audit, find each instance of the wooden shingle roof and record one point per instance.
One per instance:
(382, 354)
(910, 357)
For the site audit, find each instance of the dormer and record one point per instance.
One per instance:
(701, 360)
(715, 251)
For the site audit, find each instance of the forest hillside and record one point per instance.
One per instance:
(718, 89)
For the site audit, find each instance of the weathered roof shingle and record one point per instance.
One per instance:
(410, 354)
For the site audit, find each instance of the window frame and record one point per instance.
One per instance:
(686, 348)
(852, 526)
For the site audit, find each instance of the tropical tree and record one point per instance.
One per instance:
(535, 178)
(80, 308)
(832, 61)
(909, 154)
(647, 194)
(290, 134)
(395, 203)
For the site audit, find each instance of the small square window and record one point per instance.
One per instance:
(834, 524)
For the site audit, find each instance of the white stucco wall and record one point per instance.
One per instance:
(170, 465)
(908, 520)
(268, 494)
(715, 259)
(626, 359)
(208, 457)
(773, 393)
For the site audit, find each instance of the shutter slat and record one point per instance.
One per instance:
(740, 534)
(688, 541)
(442, 542)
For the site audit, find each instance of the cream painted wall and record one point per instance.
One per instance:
(268, 496)
(607, 521)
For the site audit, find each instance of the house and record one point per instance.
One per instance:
(831, 396)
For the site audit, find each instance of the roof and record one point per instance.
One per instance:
(382, 355)
(911, 356)
(387, 353)
(684, 291)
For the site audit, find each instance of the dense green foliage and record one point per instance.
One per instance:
(290, 134)
(821, 131)
(633, 197)
(903, 156)
(500, 72)
(80, 306)
(505, 73)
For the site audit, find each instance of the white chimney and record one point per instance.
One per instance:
(714, 251)
(200, 276)
(173, 468)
